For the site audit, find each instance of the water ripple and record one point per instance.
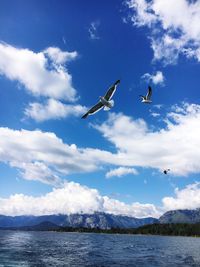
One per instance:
(30, 249)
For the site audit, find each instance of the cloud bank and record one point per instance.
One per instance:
(175, 146)
(44, 157)
(72, 198)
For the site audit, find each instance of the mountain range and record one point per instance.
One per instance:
(181, 216)
(99, 220)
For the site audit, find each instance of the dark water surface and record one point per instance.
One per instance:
(81, 249)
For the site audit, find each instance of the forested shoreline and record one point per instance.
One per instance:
(178, 229)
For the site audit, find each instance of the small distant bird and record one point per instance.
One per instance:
(105, 101)
(166, 171)
(147, 99)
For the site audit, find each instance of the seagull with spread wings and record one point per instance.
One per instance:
(104, 102)
(147, 99)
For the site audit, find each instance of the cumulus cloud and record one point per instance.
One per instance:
(41, 74)
(53, 109)
(72, 198)
(186, 198)
(121, 171)
(174, 27)
(175, 146)
(44, 157)
(93, 30)
(157, 78)
(41, 155)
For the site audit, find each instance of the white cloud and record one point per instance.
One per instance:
(158, 106)
(58, 56)
(155, 114)
(143, 15)
(157, 78)
(53, 109)
(93, 30)
(72, 198)
(64, 40)
(121, 171)
(175, 146)
(42, 73)
(174, 27)
(37, 171)
(186, 198)
(42, 156)
(135, 209)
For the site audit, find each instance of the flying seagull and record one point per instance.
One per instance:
(105, 101)
(147, 99)
(166, 171)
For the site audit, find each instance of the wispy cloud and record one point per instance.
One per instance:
(121, 171)
(155, 114)
(64, 40)
(173, 27)
(93, 30)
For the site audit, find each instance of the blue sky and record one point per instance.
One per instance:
(56, 58)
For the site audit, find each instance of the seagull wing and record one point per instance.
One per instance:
(111, 91)
(93, 110)
(148, 96)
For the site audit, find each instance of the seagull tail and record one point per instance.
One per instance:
(112, 102)
(106, 108)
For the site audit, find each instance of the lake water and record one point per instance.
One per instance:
(82, 249)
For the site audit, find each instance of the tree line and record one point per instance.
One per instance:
(175, 229)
